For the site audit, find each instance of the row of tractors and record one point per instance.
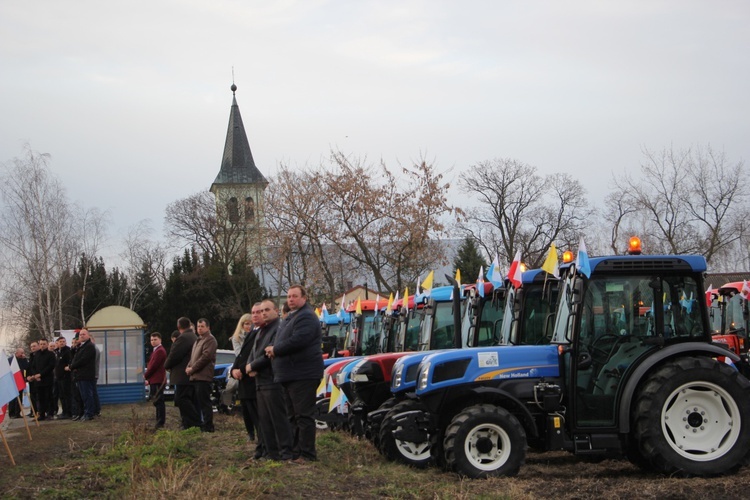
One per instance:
(615, 357)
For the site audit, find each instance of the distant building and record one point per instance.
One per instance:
(239, 188)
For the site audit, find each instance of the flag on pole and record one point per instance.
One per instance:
(8, 387)
(480, 281)
(551, 264)
(416, 290)
(377, 304)
(458, 278)
(745, 292)
(318, 313)
(406, 298)
(342, 309)
(17, 374)
(427, 283)
(514, 273)
(389, 307)
(324, 309)
(709, 294)
(494, 275)
(582, 260)
(358, 308)
(3, 411)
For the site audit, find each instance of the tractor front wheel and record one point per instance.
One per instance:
(416, 454)
(485, 441)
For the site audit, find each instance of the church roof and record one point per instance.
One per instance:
(237, 164)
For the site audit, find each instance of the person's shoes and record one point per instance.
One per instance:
(30, 414)
(250, 438)
(85, 419)
(158, 426)
(41, 417)
(208, 429)
(299, 461)
(63, 417)
(15, 416)
(75, 417)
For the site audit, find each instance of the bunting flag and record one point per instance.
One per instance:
(709, 294)
(745, 292)
(17, 374)
(341, 405)
(358, 309)
(8, 387)
(406, 298)
(582, 260)
(427, 283)
(480, 281)
(416, 290)
(389, 307)
(514, 273)
(321, 391)
(377, 304)
(551, 264)
(334, 401)
(318, 313)
(686, 303)
(324, 309)
(494, 274)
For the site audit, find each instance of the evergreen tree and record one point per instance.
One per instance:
(469, 260)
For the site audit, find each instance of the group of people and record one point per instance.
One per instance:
(277, 370)
(61, 379)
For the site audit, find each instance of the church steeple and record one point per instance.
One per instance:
(237, 164)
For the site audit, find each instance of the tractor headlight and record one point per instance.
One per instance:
(397, 373)
(424, 373)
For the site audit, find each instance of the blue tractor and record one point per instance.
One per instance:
(630, 369)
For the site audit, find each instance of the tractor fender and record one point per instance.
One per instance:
(672, 351)
(511, 403)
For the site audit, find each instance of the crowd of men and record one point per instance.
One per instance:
(278, 367)
(61, 379)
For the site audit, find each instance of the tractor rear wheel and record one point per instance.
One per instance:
(407, 452)
(485, 441)
(692, 418)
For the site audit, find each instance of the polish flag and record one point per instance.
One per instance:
(17, 374)
(514, 273)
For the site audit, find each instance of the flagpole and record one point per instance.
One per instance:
(23, 414)
(33, 410)
(7, 448)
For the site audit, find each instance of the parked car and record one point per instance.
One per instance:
(224, 361)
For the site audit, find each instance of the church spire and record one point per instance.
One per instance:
(237, 164)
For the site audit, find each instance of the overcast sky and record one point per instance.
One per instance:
(132, 98)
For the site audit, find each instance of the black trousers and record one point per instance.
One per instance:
(65, 396)
(203, 403)
(156, 396)
(299, 397)
(14, 409)
(44, 398)
(76, 401)
(184, 400)
(274, 424)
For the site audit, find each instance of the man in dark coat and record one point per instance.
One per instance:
(298, 365)
(43, 369)
(31, 380)
(62, 378)
(246, 390)
(83, 368)
(177, 361)
(274, 423)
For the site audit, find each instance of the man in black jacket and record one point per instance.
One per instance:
(246, 392)
(43, 368)
(177, 361)
(83, 368)
(274, 423)
(298, 365)
(62, 377)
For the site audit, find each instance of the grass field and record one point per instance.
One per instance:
(119, 456)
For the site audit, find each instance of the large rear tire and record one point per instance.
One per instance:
(409, 453)
(692, 418)
(485, 441)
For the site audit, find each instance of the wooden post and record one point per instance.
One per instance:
(23, 414)
(7, 448)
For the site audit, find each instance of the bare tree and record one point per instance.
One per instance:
(690, 201)
(519, 209)
(36, 227)
(142, 255)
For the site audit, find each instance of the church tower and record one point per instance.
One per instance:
(239, 187)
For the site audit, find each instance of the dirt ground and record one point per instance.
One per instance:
(57, 454)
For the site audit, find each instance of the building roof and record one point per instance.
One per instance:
(237, 164)
(115, 318)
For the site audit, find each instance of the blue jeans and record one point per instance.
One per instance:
(86, 388)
